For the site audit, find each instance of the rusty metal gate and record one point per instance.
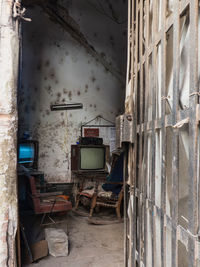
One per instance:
(161, 130)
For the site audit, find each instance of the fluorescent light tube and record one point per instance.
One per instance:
(57, 107)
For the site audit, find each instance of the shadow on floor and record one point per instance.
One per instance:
(90, 245)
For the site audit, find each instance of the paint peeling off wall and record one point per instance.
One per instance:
(9, 49)
(8, 195)
(57, 69)
(8, 80)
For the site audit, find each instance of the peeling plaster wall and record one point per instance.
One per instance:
(56, 69)
(9, 50)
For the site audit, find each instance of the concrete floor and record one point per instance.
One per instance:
(90, 245)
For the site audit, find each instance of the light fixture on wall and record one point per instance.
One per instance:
(58, 107)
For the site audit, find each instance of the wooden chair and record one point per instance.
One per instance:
(107, 199)
(84, 179)
(104, 198)
(83, 193)
(47, 203)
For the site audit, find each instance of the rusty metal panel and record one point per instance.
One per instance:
(163, 160)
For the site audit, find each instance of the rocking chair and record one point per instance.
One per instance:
(107, 199)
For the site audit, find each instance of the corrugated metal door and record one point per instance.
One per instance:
(162, 102)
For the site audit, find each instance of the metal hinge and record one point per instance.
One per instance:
(19, 11)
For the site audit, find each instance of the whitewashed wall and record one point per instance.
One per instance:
(57, 69)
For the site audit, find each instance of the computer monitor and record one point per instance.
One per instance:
(28, 153)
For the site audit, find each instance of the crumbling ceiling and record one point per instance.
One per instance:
(60, 15)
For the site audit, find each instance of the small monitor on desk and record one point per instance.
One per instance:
(28, 154)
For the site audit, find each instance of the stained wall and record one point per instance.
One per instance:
(57, 69)
(9, 51)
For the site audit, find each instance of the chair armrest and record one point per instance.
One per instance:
(50, 194)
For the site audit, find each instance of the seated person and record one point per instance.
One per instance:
(116, 174)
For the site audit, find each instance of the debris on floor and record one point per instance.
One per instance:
(39, 250)
(89, 245)
(57, 242)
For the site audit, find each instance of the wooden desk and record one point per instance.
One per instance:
(92, 176)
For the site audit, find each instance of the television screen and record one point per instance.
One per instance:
(26, 153)
(92, 158)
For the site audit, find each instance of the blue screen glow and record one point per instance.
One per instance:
(26, 153)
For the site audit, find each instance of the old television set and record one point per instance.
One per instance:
(28, 153)
(88, 158)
